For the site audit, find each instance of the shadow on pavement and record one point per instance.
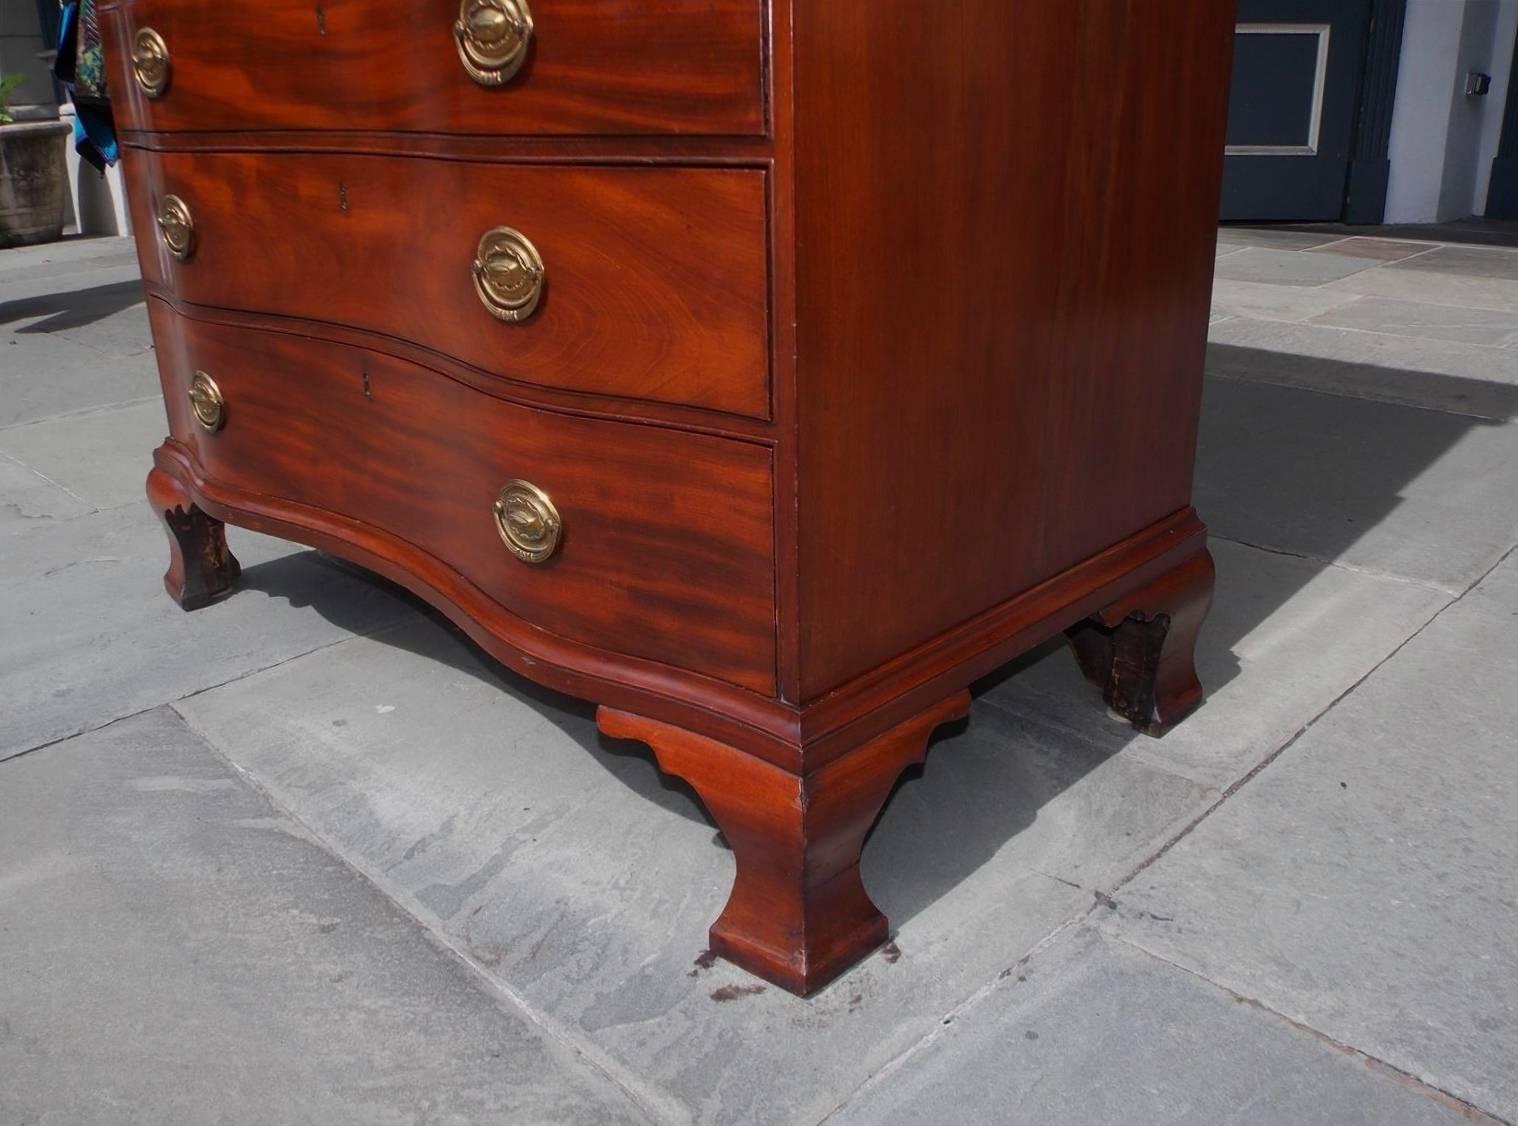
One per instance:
(72, 309)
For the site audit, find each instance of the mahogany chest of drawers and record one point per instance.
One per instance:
(765, 371)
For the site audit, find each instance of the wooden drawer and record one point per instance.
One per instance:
(655, 278)
(667, 537)
(609, 67)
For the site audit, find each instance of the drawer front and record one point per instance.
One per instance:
(654, 280)
(666, 543)
(608, 67)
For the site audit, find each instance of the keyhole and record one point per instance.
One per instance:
(368, 394)
(342, 196)
(321, 20)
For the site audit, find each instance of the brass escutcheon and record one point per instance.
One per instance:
(206, 403)
(508, 274)
(528, 522)
(176, 227)
(150, 62)
(492, 37)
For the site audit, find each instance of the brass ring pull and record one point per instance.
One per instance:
(492, 37)
(206, 402)
(508, 274)
(527, 521)
(176, 227)
(150, 62)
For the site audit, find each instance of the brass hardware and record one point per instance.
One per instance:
(176, 227)
(492, 37)
(150, 62)
(209, 408)
(508, 274)
(528, 522)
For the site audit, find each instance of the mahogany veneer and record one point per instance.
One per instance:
(659, 275)
(765, 371)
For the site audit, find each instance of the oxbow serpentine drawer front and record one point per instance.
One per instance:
(765, 372)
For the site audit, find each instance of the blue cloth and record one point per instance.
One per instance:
(80, 67)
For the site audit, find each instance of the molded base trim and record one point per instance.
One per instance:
(801, 739)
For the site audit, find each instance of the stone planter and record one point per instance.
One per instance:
(33, 181)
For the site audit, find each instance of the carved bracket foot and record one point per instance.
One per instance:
(1140, 651)
(798, 915)
(201, 569)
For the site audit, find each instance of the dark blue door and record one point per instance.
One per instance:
(1297, 71)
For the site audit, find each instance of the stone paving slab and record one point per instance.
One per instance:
(1366, 882)
(1272, 238)
(1419, 494)
(1491, 328)
(1275, 302)
(1382, 249)
(54, 268)
(112, 320)
(1285, 638)
(1441, 375)
(1285, 267)
(43, 375)
(56, 259)
(575, 875)
(174, 950)
(101, 456)
(107, 315)
(1431, 286)
(1093, 1031)
(90, 635)
(1469, 261)
(27, 495)
(1027, 795)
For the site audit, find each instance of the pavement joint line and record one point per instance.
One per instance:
(1374, 1063)
(1349, 568)
(109, 355)
(1061, 880)
(1054, 727)
(1426, 250)
(1340, 393)
(1109, 899)
(1259, 767)
(32, 469)
(82, 412)
(1385, 400)
(13, 756)
(1313, 322)
(249, 674)
(58, 334)
(660, 1105)
(891, 1067)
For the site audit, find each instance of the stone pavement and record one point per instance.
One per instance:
(306, 856)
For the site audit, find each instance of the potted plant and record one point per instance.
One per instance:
(33, 174)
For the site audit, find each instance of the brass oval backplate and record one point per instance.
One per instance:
(176, 227)
(206, 402)
(150, 62)
(508, 274)
(492, 38)
(528, 522)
